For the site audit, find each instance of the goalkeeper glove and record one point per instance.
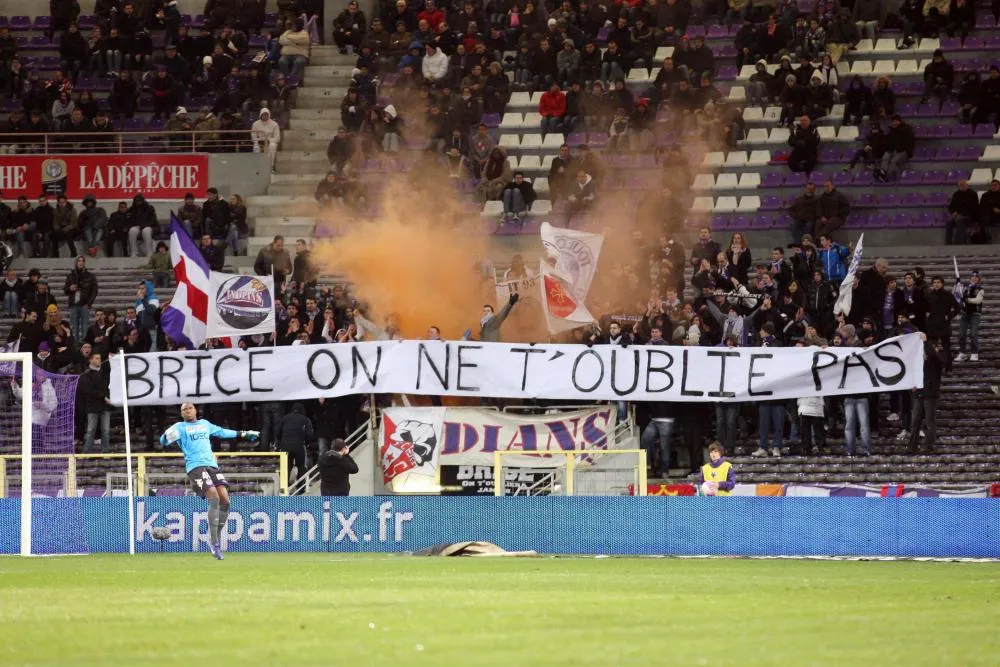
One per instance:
(252, 436)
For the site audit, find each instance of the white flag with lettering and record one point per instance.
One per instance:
(846, 297)
(567, 271)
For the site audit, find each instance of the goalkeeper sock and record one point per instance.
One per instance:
(213, 520)
(223, 518)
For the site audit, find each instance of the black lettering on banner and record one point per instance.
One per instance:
(442, 378)
(856, 361)
(253, 369)
(130, 360)
(172, 374)
(310, 369)
(358, 361)
(198, 358)
(659, 370)
(753, 360)
(723, 355)
(576, 365)
(890, 380)
(684, 378)
(635, 371)
(463, 365)
(831, 360)
(526, 351)
(216, 375)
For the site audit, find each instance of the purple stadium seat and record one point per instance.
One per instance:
(770, 203)
(971, 152)
(911, 88)
(597, 139)
(817, 178)
(928, 219)
(934, 177)
(258, 41)
(602, 34)
(726, 73)
(864, 179)
(796, 179)
(985, 21)
(866, 200)
(199, 21)
(991, 43)
(951, 44)
(906, 109)
(901, 219)
(645, 161)
(84, 83)
(695, 31)
(910, 177)
(956, 175)
(42, 23)
(829, 155)
(135, 125)
(983, 131)
(38, 43)
(576, 138)
(20, 22)
(270, 19)
(922, 131)
(186, 19)
(772, 179)
(946, 154)
(86, 21)
(913, 200)
(728, 51)
(940, 131)
(961, 132)
(878, 219)
(157, 124)
(924, 153)
(719, 223)
(49, 63)
(717, 31)
(936, 199)
(762, 221)
(842, 178)
(491, 119)
(4, 21)
(887, 200)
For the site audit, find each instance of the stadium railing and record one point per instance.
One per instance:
(144, 463)
(215, 141)
(305, 482)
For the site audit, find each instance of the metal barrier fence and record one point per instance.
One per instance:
(103, 141)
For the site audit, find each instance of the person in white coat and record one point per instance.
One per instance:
(435, 64)
(266, 135)
(811, 422)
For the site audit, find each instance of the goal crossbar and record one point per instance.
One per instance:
(27, 389)
(572, 463)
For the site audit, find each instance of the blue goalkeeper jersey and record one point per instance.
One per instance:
(194, 440)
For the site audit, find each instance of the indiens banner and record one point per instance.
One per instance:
(414, 441)
(159, 176)
(512, 370)
(240, 305)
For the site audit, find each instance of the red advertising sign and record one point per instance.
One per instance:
(163, 176)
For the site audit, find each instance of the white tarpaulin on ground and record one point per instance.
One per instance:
(513, 370)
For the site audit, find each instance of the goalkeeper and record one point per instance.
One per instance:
(193, 436)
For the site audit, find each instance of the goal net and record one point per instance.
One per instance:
(37, 433)
(602, 472)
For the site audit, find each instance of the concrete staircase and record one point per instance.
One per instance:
(289, 207)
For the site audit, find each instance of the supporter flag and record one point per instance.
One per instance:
(567, 271)
(846, 296)
(10, 367)
(958, 291)
(186, 318)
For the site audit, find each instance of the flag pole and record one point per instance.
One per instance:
(128, 455)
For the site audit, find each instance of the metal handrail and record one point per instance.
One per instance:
(118, 140)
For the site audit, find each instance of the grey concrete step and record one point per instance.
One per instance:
(293, 188)
(323, 127)
(319, 113)
(267, 227)
(325, 74)
(308, 141)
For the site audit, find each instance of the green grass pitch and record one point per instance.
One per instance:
(328, 609)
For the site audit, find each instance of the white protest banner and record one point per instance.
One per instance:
(514, 370)
(526, 287)
(566, 276)
(410, 444)
(846, 297)
(240, 305)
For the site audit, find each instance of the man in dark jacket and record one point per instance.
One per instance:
(804, 141)
(925, 400)
(869, 295)
(94, 398)
(81, 291)
(900, 144)
(803, 212)
(963, 213)
(939, 75)
(941, 308)
(215, 214)
(213, 254)
(293, 432)
(335, 469)
(833, 210)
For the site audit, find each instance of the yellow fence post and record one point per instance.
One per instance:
(570, 464)
(140, 475)
(283, 473)
(71, 476)
(3, 477)
(498, 485)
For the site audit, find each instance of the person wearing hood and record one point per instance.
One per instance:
(295, 45)
(207, 126)
(179, 122)
(80, 289)
(581, 194)
(804, 212)
(939, 76)
(92, 221)
(391, 125)
(857, 101)
(266, 136)
(804, 141)
(147, 311)
(883, 98)
(161, 266)
(793, 101)
(819, 96)
(65, 224)
(760, 86)
(142, 222)
(434, 66)
(293, 433)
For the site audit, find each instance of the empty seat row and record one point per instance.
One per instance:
(528, 142)
(736, 159)
(746, 181)
(726, 204)
(982, 176)
(779, 135)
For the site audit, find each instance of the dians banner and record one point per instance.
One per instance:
(241, 305)
(513, 370)
(414, 441)
(160, 176)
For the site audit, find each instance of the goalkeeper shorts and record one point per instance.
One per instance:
(204, 478)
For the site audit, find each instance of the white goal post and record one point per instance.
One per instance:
(26, 359)
(597, 472)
